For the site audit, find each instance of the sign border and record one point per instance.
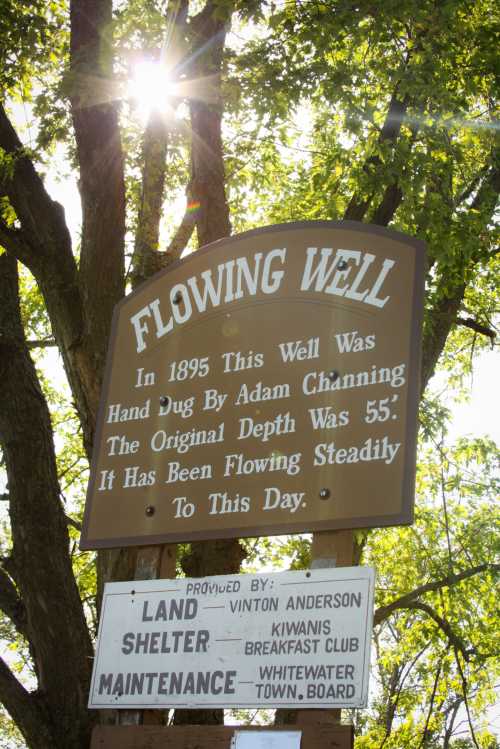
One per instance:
(405, 517)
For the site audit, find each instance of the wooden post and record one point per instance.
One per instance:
(153, 563)
(332, 549)
(329, 549)
(209, 737)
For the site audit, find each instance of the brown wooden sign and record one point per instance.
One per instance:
(266, 384)
(211, 737)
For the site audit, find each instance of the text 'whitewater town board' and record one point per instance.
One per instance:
(292, 639)
(267, 384)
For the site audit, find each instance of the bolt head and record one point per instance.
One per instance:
(324, 493)
(150, 510)
(333, 375)
(164, 400)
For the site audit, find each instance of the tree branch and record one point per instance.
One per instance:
(391, 710)
(102, 186)
(43, 227)
(444, 625)
(393, 193)
(449, 294)
(473, 185)
(437, 329)
(391, 200)
(449, 724)
(12, 241)
(43, 244)
(207, 161)
(383, 612)
(466, 699)
(423, 740)
(145, 260)
(389, 133)
(11, 604)
(46, 343)
(181, 237)
(24, 710)
(477, 327)
(74, 523)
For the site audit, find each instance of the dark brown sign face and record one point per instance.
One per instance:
(266, 384)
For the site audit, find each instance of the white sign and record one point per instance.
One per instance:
(291, 639)
(266, 740)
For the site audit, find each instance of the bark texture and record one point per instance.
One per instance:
(146, 260)
(102, 188)
(40, 565)
(207, 163)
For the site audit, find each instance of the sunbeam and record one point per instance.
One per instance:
(151, 89)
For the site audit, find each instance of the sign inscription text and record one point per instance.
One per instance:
(286, 639)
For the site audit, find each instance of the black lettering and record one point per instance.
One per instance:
(203, 682)
(128, 643)
(161, 611)
(137, 684)
(162, 683)
(201, 640)
(213, 688)
(141, 642)
(229, 682)
(176, 608)
(176, 636)
(153, 642)
(176, 682)
(150, 677)
(118, 686)
(164, 646)
(145, 617)
(105, 683)
(191, 608)
(189, 684)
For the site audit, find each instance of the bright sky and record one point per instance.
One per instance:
(481, 416)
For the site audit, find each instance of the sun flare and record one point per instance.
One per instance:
(150, 89)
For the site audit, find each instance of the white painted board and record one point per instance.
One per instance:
(289, 639)
(266, 740)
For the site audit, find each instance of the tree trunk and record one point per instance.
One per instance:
(40, 563)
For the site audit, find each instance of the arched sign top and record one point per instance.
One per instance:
(266, 384)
